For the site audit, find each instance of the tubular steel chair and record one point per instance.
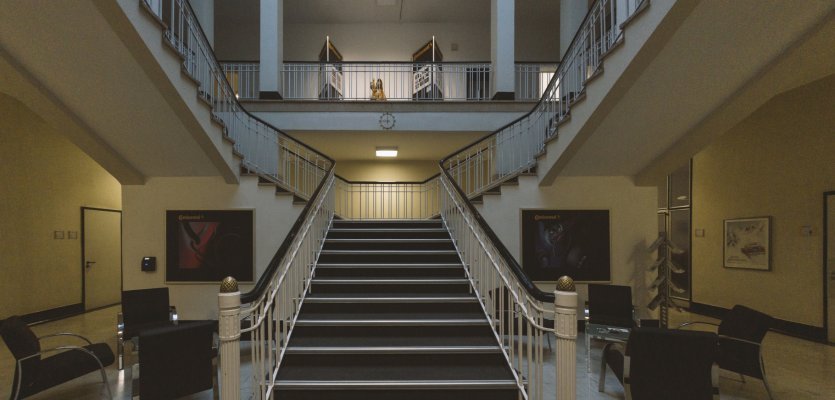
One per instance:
(141, 309)
(741, 333)
(34, 374)
(664, 364)
(176, 361)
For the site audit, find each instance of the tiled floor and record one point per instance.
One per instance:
(797, 369)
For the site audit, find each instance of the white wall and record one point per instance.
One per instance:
(632, 213)
(144, 231)
(44, 181)
(777, 163)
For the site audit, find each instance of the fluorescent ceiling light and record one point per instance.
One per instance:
(387, 152)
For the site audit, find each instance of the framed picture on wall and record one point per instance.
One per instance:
(748, 243)
(566, 242)
(205, 246)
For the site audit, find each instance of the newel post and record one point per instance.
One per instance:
(229, 330)
(565, 328)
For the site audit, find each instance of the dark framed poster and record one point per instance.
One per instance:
(209, 245)
(566, 242)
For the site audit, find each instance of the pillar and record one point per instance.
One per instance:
(272, 49)
(502, 45)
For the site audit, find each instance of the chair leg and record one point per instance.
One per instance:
(765, 380)
(120, 353)
(105, 382)
(548, 336)
(601, 383)
(215, 391)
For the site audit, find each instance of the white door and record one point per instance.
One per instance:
(101, 248)
(830, 264)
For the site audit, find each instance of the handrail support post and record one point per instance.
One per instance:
(565, 329)
(229, 331)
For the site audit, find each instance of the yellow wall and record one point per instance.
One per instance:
(45, 181)
(387, 171)
(777, 162)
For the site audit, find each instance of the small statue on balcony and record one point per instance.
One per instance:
(377, 93)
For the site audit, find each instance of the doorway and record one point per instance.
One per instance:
(101, 257)
(829, 263)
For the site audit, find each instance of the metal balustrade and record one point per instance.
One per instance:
(513, 149)
(387, 200)
(461, 81)
(264, 149)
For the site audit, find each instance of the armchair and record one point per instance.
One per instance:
(741, 333)
(664, 364)
(34, 374)
(176, 361)
(141, 309)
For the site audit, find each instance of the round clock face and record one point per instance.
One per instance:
(387, 120)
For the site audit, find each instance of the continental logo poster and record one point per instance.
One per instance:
(566, 242)
(209, 245)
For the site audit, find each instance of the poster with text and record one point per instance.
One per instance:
(209, 245)
(570, 242)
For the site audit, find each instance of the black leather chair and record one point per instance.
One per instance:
(142, 309)
(176, 361)
(34, 374)
(664, 364)
(741, 333)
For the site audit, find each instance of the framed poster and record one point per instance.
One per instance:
(208, 245)
(566, 242)
(748, 243)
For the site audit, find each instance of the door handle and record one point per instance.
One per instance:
(89, 264)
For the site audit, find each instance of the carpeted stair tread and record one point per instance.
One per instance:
(372, 394)
(395, 316)
(386, 341)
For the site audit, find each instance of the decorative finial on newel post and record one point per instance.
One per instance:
(565, 329)
(229, 331)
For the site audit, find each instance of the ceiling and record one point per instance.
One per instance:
(350, 145)
(387, 11)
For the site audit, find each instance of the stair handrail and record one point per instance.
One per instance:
(513, 148)
(266, 150)
(473, 165)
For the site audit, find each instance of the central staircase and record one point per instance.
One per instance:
(391, 315)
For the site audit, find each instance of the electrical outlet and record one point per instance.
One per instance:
(806, 230)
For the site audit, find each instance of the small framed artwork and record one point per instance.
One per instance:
(748, 243)
(205, 246)
(566, 242)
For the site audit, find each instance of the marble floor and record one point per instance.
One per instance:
(797, 369)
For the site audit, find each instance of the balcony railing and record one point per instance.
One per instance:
(401, 81)
(387, 200)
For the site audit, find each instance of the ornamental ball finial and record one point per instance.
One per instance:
(229, 285)
(565, 284)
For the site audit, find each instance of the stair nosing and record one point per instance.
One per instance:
(392, 349)
(373, 281)
(388, 230)
(385, 240)
(389, 252)
(445, 299)
(390, 322)
(388, 265)
(400, 384)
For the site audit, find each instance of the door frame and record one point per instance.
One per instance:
(825, 268)
(84, 271)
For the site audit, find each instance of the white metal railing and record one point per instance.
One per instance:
(264, 149)
(400, 81)
(387, 200)
(243, 78)
(272, 316)
(306, 81)
(513, 149)
(521, 322)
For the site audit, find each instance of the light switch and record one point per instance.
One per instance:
(806, 230)
(700, 233)
(72, 234)
(58, 235)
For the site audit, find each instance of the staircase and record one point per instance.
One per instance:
(391, 315)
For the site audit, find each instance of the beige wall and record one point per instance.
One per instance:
(144, 231)
(777, 162)
(45, 181)
(387, 171)
(632, 213)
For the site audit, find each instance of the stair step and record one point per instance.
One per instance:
(399, 224)
(389, 244)
(390, 335)
(388, 266)
(392, 322)
(431, 233)
(404, 384)
(371, 392)
(389, 256)
(390, 299)
(372, 281)
(392, 349)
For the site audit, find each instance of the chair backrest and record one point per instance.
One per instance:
(22, 342)
(745, 323)
(610, 305)
(175, 361)
(145, 306)
(670, 364)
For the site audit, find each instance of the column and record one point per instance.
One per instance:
(565, 329)
(272, 49)
(204, 10)
(572, 13)
(502, 44)
(229, 331)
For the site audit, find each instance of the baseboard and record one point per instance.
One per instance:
(53, 314)
(504, 96)
(798, 330)
(270, 96)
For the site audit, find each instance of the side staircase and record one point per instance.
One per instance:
(391, 315)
